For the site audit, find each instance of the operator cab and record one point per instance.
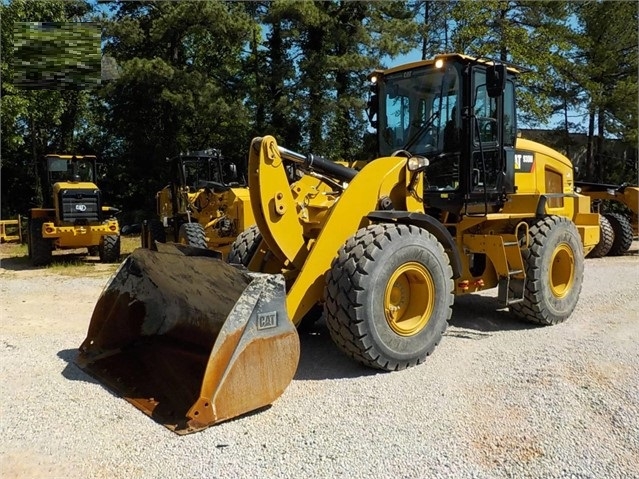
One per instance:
(62, 168)
(459, 113)
(207, 169)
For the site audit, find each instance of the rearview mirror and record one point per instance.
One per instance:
(373, 109)
(495, 80)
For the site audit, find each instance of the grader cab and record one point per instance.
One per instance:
(384, 250)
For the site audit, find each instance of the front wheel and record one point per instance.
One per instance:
(389, 295)
(109, 249)
(40, 249)
(245, 246)
(154, 231)
(192, 234)
(554, 264)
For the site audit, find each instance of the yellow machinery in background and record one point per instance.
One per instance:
(75, 216)
(617, 229)
(455, 204)
(205, 205)
(11, 230)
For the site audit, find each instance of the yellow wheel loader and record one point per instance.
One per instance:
(454, 204)
(617, 229)
(205, 205)
(76, 216)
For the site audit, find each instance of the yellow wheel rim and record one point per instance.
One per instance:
(409, 299)
(562, 270)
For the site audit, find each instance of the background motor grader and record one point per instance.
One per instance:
(455, 204)
(206, 203)
(74, 216)
(617, 228)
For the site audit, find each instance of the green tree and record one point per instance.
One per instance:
(181, 87)
(605, 67)
(530, 34)
(33, 122)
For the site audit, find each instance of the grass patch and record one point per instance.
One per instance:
(74, 262)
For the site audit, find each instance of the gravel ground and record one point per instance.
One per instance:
(498, 398)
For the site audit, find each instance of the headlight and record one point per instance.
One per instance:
(417, 163)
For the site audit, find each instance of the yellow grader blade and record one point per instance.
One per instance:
(190, 340)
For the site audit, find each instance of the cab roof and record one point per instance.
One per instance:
(70, 157)
(447, 56)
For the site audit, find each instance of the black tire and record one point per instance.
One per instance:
(154, 231)
(375, 276)
(109, 249)
(245, 246)
(554, 264)
(622, 232)
(607, 236)
(40, 249)
(192, 234)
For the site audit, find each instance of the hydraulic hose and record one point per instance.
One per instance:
(320, 164)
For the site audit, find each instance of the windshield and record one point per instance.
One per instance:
(418, 111)
(199, 172)
(61, 169)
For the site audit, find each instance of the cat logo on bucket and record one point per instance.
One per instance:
(267, 320)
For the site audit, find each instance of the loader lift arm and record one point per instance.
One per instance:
(280, 213)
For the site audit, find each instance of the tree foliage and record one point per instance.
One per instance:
(179, 76)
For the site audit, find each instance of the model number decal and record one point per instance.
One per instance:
(523, 158)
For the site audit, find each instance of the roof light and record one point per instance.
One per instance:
(439, 63)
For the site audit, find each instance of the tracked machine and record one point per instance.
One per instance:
(455, 204)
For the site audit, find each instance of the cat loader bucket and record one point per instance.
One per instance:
(191, 340)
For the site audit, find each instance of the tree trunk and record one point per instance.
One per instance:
(425, 38)
(601, 128)
(590, 162)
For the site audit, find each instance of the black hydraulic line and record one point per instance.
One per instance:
(319, 163)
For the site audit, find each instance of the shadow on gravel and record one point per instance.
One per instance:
(21, 263)
(17, 263)
(71, 371)
(321, 359)
(476, 317)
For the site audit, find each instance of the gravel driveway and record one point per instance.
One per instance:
(497, 399)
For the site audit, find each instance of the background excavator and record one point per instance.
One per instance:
(205, 205)
(454, 204)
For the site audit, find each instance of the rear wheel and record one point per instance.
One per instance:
(192, 234)
(554, 272)
(389, 295)
(245, 246)
(40, 249)
(109, 249)
(606, 238)
(622, 234)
